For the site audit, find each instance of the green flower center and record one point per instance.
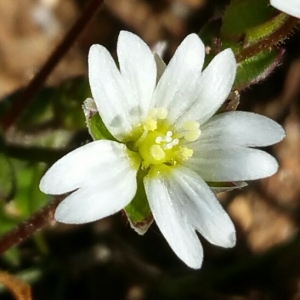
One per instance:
(160, 143)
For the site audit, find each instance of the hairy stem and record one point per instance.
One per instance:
(26, 229)
(268, 42)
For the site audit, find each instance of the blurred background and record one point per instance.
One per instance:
(107, 259)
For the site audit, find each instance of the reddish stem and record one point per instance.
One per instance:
(26, 229)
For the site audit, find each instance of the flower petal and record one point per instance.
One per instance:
(85, 166)
(101, 199)
(112, 94)
(138, 67)
(213, 87)
(202, 208)
(290, 7)
(172, 220)
(231, 164)
(175, 89)
(240, 128)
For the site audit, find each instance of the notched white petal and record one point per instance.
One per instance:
(112, 94)
(138, 68)
(84, 166)
(202, 209)
(175, 89)
(241, 129)
(102, 198)
(212, 89)
(172, 221)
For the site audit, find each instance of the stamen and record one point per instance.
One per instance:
(168, 146)
(186, 153)
(155, 114)
(150, 124)
(192, 135)
(175, 142)
(158, 145)
(157, 152)
(152, 113)
(158, 140)
(171, 144)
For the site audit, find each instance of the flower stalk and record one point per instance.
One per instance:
(26, 229)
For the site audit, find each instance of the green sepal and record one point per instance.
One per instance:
(265, 31)
(231, 103)
(257, 68)
(242, 15)
(94, 123)
(138, 211)
(220, 187)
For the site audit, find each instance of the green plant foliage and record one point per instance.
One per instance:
(68, 102)
(60, 105)
(7, 178)
(94, 123)
(252, 29)
(29, 198)
(98, 130)
(242, 15)
(256, 68)
(265, 30)
(138, 211)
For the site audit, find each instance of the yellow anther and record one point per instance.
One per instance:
(161, 113)
(192, 135)
(150, 124)
(191, 125)
(162, 145)
(157, 152)
(186, 153)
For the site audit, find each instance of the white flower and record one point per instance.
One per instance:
(166, 126)
(290, 7)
